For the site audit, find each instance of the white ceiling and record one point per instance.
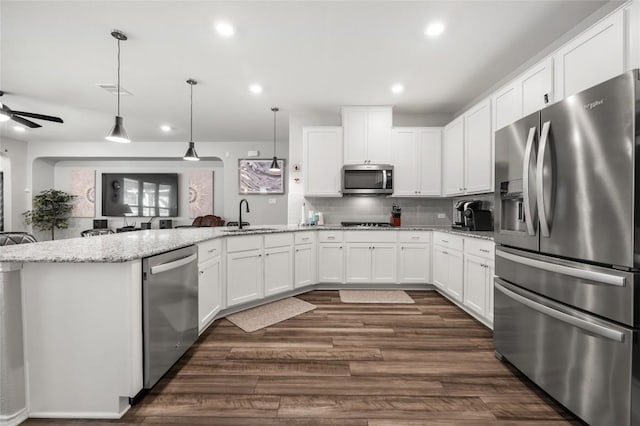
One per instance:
(309, 56)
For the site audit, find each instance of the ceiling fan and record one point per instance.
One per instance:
(7, 114)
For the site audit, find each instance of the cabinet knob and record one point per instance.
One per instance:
(267, 254)
(373, 248)
(460, 189)
(340, 247)
(401, 248)
(201, 272)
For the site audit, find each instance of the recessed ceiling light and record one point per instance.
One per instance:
(397, 88)
(225, 29)
(165, 128)
(434, 29)
(19, 129)
(255, 88)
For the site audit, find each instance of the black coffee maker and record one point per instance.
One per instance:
(458, 220)
(476, 219)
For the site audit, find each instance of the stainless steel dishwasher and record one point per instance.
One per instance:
(169, 311)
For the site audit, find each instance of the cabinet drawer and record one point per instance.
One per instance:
(414, 237)
(448, 240)
(370, 236)
(209, 249)
(479, 247)
(305, 237)
(249, 242)
(330, 236)
(278, 240)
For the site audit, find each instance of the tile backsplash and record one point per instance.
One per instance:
(415, 211)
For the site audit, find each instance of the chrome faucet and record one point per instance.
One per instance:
(240, 218)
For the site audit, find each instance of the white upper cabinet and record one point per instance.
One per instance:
(526, 94)
(478, 149)
(322, 161)
(417, 161)
(367, 134)
(593, 57)
(454, 157)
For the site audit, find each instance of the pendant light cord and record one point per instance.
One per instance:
(191, 122)
(274, 131)
(118, 77)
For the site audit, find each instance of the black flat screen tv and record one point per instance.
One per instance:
(140, 194)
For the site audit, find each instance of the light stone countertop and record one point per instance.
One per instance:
(128, 246)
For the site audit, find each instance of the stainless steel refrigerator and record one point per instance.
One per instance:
(567, 229)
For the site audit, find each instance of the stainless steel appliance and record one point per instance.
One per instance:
(170, 309)
(367, 179)
(567, 225)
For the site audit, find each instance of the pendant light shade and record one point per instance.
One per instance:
(274, 164)
(191, 154)
(118, 134)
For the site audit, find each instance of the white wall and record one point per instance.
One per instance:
(13, 160)
(42, 157)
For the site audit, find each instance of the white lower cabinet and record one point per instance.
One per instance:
(278, 270)
(475, 284)
(244, 277)
(371, 263)
(330, 263)
(447, 271)
(383, 263)
(305, 265)
(209, 291)
(358, 268)
(414, 261)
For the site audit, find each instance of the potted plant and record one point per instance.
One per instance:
(51, 210)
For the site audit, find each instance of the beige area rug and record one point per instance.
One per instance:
(375, 296)
(269, 314)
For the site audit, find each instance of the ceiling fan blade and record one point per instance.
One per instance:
(25, 122)
(39, 116)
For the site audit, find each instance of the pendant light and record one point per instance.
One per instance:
(191, 154)
(118, 134)
(274, 164)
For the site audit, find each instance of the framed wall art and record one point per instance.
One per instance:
(254, 177)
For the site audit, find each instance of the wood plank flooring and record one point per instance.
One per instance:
(348, 365)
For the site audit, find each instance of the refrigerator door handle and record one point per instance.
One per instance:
(598, 330)
(544, 136)
(599, 277)
(528, 213)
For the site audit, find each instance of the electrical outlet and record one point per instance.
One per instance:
(272, 200)
(441, 215)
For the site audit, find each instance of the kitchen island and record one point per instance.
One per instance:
(82, 303)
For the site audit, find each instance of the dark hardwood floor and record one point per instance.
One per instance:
(347, 364)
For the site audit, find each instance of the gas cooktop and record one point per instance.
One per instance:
(367, 224)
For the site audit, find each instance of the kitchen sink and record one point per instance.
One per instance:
(248, 230)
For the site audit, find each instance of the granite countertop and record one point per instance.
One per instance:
(128, 246)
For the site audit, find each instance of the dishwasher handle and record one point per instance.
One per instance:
(164, 267)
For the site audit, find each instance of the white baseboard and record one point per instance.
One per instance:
(78, 415)
(15, 418)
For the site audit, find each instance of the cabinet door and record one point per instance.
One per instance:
(440, 267)
(354, 124)
(278, 270)
(330, 263)
(475, 279)
(536, 86)
(305, 265)
(414, 263)
(405, 171)
(507, 105)
(379, 121)
(244, 277)
(358, 262)
(209, 291)
(430, 162)
(478, 153)
(454, 158)
(594, 56)
(384, 260)
(455, 285)
(322, 161)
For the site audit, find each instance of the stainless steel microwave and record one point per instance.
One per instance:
(367, 179)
